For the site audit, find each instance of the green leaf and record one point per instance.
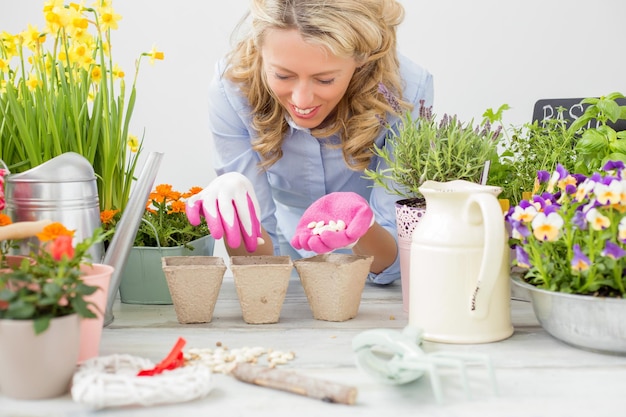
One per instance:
(41, 324)
(591, 142)
(618, 146)
(610, 108)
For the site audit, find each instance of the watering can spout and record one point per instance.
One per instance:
(122, 241)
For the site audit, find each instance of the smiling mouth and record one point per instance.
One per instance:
(303, 112)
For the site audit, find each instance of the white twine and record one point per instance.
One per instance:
(111, 381)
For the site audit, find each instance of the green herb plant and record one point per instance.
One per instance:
(425, 148)
(536, 146)
(600, 144)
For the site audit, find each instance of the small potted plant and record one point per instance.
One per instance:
(532, 147)
(44, 303)
(164, 231)
(428, 148)
(570, 243)
(599, 142)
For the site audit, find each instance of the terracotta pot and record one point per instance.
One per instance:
(13, 262)
(98, 275)
(38, 366)
(194, 283)
(333, 284)
(261, 283)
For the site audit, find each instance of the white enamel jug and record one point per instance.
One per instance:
(459, 270)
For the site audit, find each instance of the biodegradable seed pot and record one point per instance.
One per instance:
(261, 283)
(333, 284)
(143, 280)
(194, 283)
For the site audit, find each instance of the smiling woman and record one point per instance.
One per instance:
(296, 109)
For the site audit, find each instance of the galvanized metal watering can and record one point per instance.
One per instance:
(64, 189)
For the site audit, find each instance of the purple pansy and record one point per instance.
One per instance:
(580, 261)
(613, 250)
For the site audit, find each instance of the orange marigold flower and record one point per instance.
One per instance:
(177, 207)
(192, 191)
(106, 216)
(5, 220)
(54, 230)
(164, 192)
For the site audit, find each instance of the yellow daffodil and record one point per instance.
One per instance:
(70, 58)
(32, 37)
(108, 18)
(133, 143)
(33, 82)
(117, 72)
(154, 54)
(96, 74)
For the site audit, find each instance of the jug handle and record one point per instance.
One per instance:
(493, 251)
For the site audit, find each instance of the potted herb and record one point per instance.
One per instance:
(570, 243)
(62, 91)
(164, 231)
(43, 305)
(533, 147)
(599, 142)
(428, 148)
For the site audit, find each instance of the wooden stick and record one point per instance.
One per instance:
(22, 230)
(292, 382)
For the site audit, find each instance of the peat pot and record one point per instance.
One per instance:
(261, 283)
(143, 280)
(333, 284)
(194, 283)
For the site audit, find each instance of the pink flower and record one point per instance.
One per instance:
(61, 246)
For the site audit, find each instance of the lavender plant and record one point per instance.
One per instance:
(425, 148)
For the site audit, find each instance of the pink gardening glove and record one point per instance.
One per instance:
(231, 210)
(334, 221)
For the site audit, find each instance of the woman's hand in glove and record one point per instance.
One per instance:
(231, 210)
(336, 220)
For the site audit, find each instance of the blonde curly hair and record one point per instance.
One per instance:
(361, 29)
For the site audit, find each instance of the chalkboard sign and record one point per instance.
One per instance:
(572, 110)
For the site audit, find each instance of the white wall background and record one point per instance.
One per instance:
(483, 53)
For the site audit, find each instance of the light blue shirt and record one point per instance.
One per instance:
(308, 169)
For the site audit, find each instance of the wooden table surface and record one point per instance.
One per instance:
(537, 375)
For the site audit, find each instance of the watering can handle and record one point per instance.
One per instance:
(492, 255)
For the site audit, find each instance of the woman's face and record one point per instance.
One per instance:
(307, 79)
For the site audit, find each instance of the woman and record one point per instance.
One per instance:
(296, 108)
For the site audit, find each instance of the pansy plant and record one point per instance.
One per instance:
(571, 235)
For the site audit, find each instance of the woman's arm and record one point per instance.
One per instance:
(377, 242)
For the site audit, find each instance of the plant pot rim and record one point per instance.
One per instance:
(416, 201)
(249, 260)
(332, 257)
(517, 280)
